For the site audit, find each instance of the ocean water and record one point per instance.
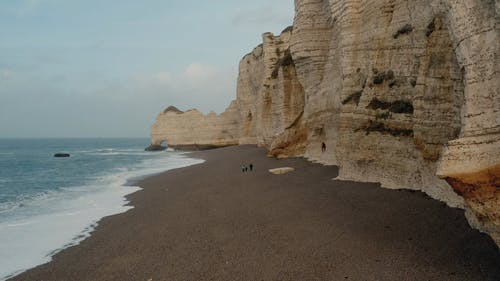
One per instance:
(48, 204)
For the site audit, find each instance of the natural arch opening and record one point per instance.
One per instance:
(158, 146)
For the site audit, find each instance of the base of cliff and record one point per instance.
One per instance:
(197, 147)
(213, 222)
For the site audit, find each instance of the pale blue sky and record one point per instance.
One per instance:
(97, 68)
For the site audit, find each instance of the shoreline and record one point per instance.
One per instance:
(79, 210)
(210, 221)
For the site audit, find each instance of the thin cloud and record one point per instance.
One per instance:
(122, 64)
(205, 87)
(198, 71)
(163, 77)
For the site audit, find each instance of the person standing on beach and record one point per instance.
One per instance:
(323, 147)
(251, 167)
(243, 168)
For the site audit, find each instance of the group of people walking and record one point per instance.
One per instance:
(245, 169)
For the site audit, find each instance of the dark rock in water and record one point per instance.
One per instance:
(155, 147)
(61, 155)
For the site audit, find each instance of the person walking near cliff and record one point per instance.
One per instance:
(323, 147)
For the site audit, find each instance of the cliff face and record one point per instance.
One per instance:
(193, 130)
(270, 97)
(404, 91)
(401, 92)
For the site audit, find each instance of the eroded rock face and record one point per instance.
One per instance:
(193, 130)
(268, 109)
(403, 91)
(471, 166)
(399, 92)
(270, 97)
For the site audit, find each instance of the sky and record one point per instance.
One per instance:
(103, 68)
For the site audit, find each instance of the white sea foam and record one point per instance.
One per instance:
(112, 152)
(54, 221)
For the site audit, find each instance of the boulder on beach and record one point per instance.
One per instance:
(282, 170)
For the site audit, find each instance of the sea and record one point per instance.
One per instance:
(48, 204)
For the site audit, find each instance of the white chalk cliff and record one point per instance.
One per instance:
(405, 93)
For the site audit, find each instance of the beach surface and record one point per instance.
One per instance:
(213, 222)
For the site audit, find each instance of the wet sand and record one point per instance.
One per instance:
(213, 222)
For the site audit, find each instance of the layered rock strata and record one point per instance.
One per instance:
(270, 97)
(193, 130)
(404, 93)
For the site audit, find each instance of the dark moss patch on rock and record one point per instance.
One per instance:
(353, 98)
(377, 126)
(390, 78)
(288, 29)
(364, 83)
(406, 29)
(383, 116)
(285, 61)
(401, 107)
(379, 78)
(389, 75)
(275, 73)
(430, 28)
(398, 106)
